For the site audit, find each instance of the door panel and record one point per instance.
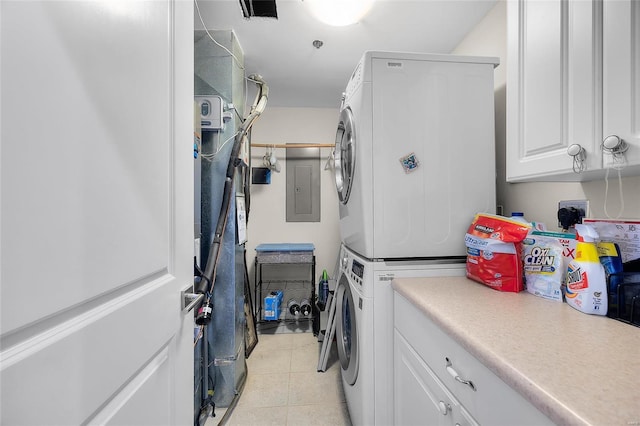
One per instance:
(107, 345)
(554, 92)
(87, 172)
(151, 387)
(97, 212)
(621, 69)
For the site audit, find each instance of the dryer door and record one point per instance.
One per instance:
(345, 155)
(347, 331)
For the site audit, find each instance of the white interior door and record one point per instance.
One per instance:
(96, 212)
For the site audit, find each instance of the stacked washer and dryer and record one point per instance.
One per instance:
(414, 162)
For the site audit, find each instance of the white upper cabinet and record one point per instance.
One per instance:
(573, 75)
(553, 93)
(621, 76)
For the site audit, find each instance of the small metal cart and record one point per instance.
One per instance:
(285, 254)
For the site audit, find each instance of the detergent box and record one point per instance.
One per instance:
(494, 251)
(546, 256)
(273, 305)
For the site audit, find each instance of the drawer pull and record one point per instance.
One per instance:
(456, 376)
(444, 408)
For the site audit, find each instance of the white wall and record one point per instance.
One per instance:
(267, 220)
(539, 200)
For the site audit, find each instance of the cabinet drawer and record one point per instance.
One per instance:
(419, 397)
(490, 400)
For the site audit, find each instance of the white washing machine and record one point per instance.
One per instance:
(410, 124)
(364, 329)
(354, 336)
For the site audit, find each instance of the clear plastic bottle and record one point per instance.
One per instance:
(305, 307)
(519, 217)
(535, 226)
(294, 307)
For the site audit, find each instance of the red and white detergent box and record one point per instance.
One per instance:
(494, 251)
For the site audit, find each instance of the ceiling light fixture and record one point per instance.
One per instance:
(339, 13)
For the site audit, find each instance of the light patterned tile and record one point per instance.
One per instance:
(319, 414)
(313, 388)
(269, 361)
(253, 416)
(305, 355)
(303, 340)
(272, 396)
(269, 342)
(265, 390)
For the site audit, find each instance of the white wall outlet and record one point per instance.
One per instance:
(581, 205)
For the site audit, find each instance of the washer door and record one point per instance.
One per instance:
(347, 331)
(345, 155)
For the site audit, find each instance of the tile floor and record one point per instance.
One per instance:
(283, 385)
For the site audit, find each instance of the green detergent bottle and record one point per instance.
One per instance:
(323, 290)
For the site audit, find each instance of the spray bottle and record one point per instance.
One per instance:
(586, 282)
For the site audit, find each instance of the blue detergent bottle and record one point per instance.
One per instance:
(611, 259)
(323, 290)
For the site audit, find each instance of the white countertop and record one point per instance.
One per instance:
(575, 368)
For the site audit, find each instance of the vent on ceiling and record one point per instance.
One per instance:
(259, 8)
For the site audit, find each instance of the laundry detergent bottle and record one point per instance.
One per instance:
(586, 283)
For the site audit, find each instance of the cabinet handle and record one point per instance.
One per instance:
(613, 144)
(579, 155)
(456, 376)
(444, 408)
(616, 147)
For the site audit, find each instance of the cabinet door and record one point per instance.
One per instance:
(492, 402)
(553, 88)
(621, 75)
(419, 396)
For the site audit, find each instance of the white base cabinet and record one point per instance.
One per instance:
(420, 398)
(437, 382)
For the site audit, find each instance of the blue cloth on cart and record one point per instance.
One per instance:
(285, 247)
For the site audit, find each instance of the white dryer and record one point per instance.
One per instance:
(364, 329)
(415, 156)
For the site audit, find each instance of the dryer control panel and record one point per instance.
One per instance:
(357, 268)
(351, 267)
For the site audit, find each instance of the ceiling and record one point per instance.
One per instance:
(300, 75)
